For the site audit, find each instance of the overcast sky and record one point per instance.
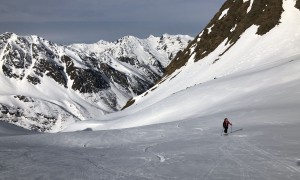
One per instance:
(87, 21)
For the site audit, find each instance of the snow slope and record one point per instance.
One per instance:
(274, 86)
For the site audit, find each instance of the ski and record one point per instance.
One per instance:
(226, 134)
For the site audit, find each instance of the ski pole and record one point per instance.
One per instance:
(222, 131)
(231, 128)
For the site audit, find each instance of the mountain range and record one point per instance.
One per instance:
(46, 86)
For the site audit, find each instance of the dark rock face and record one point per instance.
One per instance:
(33, 80)
(298, 4)
(24, 98)
(88, 81)
(20, 55)
(129, 103)
(84, 80)
(15, 59)
(128, 60)
(264, 13)
(51, 69)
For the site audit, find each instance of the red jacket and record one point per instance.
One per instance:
(226, 123)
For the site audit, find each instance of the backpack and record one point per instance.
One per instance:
(225, 124)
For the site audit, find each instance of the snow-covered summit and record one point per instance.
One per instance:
(165, 46)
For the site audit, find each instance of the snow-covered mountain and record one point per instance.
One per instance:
(46, 86)
(249, 48)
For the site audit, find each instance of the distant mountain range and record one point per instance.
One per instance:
(46, 86)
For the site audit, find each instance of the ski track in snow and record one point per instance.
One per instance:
(270, 161)
(160, 157)
(274, 160)
(243, 167)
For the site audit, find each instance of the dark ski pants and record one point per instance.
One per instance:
(225, 129)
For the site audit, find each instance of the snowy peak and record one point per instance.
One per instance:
(130, 46)
(169, 44)
(233, 19)
(27, 58)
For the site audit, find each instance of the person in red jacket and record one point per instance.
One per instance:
(226, 123)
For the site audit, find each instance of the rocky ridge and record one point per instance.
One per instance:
(232, 20)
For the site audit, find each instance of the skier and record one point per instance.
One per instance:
(226, 124)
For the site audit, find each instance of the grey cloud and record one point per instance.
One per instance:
(90, 20)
